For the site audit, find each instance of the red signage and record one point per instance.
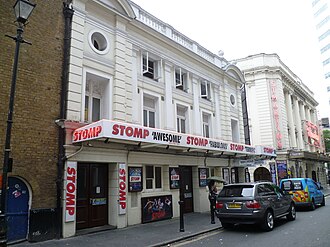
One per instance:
(276, 116)
(131, 132)
(86, 134)
(70, 204)
(122, 188)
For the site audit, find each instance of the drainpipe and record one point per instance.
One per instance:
(68, 13)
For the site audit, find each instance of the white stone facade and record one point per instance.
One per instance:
(129, 67)
(282, 114)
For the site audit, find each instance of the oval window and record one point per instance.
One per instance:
(98, 42)
(232, 100)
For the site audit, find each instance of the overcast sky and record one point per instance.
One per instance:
(245, 27)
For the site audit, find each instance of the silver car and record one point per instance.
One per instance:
(253, 203)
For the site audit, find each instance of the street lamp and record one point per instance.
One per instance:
(22, 9)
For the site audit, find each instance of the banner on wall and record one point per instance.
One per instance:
(156, 208)
(273, 172)
(203, 175)
(70, 191)
(174, 178)
(282, 169)
(135, 179)
(126, 131)
(122, 200)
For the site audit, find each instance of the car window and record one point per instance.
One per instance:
(237, 191)
(265, 189)
(291, 185)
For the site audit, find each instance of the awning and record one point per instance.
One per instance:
(149, 137)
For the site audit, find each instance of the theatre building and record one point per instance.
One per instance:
(149, 112)
(282, 111)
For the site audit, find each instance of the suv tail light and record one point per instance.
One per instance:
(253, 204)
(219, 205)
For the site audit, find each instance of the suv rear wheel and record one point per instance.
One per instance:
(292, 212)
(268, 221)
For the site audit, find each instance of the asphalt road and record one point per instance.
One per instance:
(310, 229)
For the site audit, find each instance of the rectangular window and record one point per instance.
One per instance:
(205, 90)
(151, 67)
(181, 119)
(234, 131)
(153, 177)
(149, 112)
(181, 79)
(149, 177)
(96, 98)
(206, 125)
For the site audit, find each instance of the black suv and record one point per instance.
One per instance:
(253, 203)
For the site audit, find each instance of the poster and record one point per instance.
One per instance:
(225, 174)
(203, 175)
(135, 179)
(156, 208)
(281, 169)
(273, 172)
(174, 178)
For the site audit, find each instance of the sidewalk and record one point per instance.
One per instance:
(160, 233)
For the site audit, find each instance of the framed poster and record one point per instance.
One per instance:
(203, 174)
(135, 179)
(273, 172)
(281, 169)
(156, 208)
(225, 174)
(174, 177)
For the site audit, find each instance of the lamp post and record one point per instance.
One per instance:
(22, 9)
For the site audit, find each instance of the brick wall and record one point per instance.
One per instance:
(37, 101)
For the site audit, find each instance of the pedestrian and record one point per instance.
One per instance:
(212, 198)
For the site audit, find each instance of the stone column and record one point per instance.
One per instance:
(300, 143)
(217, 112)
(169, 108)
(292, 134)
(303, 121)
(196, 115)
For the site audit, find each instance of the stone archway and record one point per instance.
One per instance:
(262, 174)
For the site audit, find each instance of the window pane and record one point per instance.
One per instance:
(145, 118)
(158, 173)
(183, 126)
(149, 172)
(96, 109)
(149, 183)
(86, 107)
(203, 88)
(206, 131)
(178, 124)
(152, 119)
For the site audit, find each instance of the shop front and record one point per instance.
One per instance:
(120, 174)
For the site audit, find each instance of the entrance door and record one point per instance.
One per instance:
(187, 189)
(17, 209)
(92, 195)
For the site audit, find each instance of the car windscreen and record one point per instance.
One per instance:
(237, 191)
(291, 185)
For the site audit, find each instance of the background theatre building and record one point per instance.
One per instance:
(282, 112)
(145, 102)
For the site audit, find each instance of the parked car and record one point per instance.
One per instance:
(304, 191)
(253, 203)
